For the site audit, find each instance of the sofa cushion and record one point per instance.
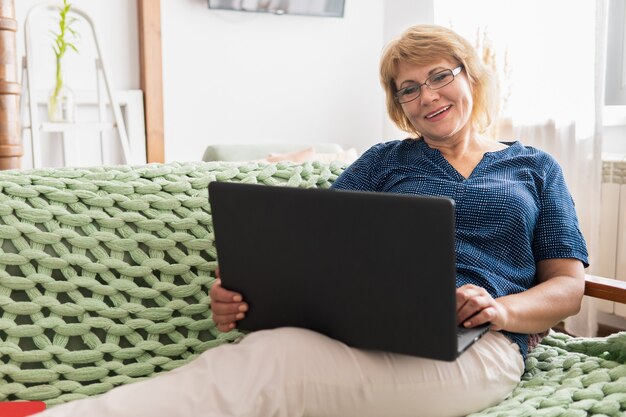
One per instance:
(240, 152)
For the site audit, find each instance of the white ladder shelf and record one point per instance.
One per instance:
(35, 127)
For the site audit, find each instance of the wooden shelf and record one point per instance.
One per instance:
(72, 127)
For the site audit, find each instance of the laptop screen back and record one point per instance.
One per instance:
(374, 270)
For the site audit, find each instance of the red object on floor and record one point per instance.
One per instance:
(21, 408)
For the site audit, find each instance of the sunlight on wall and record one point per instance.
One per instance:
(551, 57)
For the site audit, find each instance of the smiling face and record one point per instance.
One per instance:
(439, 115)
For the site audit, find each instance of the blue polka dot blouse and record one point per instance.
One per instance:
(511, 212)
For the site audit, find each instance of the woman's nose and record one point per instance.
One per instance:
(428, 95)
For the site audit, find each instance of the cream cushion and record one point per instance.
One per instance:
(252, 152)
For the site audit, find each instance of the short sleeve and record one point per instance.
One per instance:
(557, 233)
(361, 175)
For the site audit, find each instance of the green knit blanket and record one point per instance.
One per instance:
(570, 377)
(105, 274)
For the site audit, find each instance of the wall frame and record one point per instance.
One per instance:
(321, 8)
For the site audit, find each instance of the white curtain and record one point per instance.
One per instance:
(552, 85)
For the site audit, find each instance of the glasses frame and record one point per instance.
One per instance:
(454, 71)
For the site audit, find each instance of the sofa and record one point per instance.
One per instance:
(105, 274)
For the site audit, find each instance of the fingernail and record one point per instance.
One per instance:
(231, 325)
(239, 316)
(237, 298)
(243, 308)
(467, 324)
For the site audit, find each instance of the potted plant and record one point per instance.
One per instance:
(61, 104)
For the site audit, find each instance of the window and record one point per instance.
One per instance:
(545, 62)
(615, 93)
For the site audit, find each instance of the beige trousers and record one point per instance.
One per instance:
(292, 372)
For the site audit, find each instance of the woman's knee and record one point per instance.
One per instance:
(289, 340)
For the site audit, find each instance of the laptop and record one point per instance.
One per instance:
(373, 270)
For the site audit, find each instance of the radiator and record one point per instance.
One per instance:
(611, 262)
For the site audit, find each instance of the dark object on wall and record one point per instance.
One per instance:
(324, 8)
(11, 150)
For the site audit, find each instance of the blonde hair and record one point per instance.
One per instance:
(426, 44)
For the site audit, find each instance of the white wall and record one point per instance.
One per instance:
(241, 77)
(237, 77)
(116, 26)
(398, 16)
(248, 77)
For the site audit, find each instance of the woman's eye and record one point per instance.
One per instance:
(439, 78)
(410, 90)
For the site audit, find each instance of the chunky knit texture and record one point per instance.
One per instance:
(105, 272)
(104, 280)
(570, 377)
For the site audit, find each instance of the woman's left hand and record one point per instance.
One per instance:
(474, 306)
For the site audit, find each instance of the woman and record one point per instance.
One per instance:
(520, 260)
(520, 254)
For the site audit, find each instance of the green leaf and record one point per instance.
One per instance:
(60, 44)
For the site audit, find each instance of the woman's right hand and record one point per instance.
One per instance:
(227, 306)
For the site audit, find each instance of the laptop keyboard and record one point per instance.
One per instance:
(460, 331)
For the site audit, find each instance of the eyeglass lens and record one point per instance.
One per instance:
(434, 82)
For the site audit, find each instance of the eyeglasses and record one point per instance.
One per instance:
(434, 82)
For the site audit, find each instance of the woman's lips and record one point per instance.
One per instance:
(438, 114)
